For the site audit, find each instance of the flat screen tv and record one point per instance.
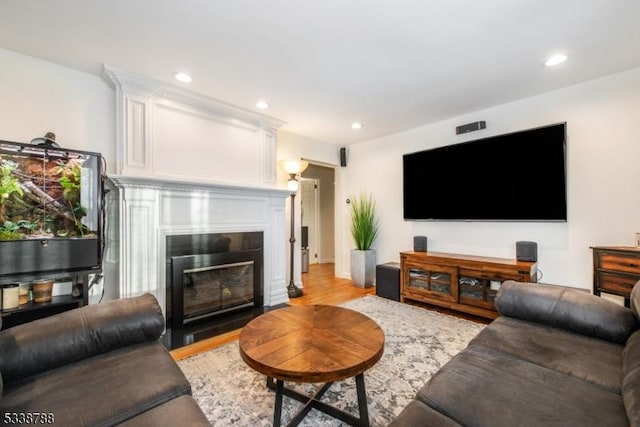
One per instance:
(520, 176)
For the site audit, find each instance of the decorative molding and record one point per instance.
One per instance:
(137, 133)
(123, 181)
(148, 110)
(269, 172)
(150, 209)
(141, 248)
(129, 82)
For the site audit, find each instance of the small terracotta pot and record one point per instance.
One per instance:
(42, 290)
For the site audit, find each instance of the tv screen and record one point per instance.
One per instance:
(518, 176)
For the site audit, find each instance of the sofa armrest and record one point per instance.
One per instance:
(64, 338)
(566, 308)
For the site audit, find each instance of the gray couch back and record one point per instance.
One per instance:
(631, 366)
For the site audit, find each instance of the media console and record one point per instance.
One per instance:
(464, 283)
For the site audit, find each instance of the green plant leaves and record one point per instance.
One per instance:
(364, 224)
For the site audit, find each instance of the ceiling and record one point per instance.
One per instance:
(391, 64)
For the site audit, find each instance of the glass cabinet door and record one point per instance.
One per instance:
(479, 288)
(434, 281)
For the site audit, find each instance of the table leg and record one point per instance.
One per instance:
(314, 402)
(277, 412)
(362, 400)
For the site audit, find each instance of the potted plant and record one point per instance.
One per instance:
(364, 229)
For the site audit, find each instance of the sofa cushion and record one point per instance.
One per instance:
(566, 308)
(475, 386)
(631, 380)
(101, 390)
(55, 341)
(591, 359)
(417, 413)
(635, 299)
(181, 411)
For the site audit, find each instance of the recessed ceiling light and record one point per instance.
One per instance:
(555, 60)
(357, 125)
(263, 105)
(182, 77)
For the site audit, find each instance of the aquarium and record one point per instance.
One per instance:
(51, 209)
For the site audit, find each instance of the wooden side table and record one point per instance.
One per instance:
(313, 344)
(615, 270)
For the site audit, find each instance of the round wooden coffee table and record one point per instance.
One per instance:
(313, 344)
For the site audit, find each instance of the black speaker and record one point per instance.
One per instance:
(527, 251)
(304, 237)
(343, 156)
(420, 243)
(470, 127)
(388, 280)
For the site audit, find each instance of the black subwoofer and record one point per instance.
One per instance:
(388, 280)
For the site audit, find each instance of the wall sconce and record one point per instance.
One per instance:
(293, 168)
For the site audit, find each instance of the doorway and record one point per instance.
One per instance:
(318, 213)
(310, 214)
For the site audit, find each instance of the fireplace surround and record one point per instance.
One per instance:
(148, 215)
(188, 164)
(211, 275)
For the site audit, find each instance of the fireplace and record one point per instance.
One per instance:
(212, 277)
(207, 285)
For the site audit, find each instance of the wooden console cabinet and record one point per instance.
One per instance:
(464, 283)
(615, 270)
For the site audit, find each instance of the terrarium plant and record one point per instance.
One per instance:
(70, 179)
(364, 229)
(9, 185)
(10, 230)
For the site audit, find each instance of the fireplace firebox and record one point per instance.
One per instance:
(208, 285)
(212, 279)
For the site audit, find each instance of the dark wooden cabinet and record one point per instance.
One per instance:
(615, 270)
(465, 283)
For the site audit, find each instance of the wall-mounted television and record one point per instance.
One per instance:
(519, 176)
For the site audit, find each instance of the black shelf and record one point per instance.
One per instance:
(32, 311)
(31, 306)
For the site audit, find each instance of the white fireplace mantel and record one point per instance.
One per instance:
(144, 211)
(166, 131)
(188, 164)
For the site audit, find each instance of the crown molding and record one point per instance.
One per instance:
(128, 82)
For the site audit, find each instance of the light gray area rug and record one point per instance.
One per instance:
(417, 343)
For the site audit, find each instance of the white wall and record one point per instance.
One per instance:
(603, 151)
(38, 96)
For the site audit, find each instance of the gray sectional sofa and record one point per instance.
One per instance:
(556, 357)
(99, 365)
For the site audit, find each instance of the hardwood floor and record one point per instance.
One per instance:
(320, 287)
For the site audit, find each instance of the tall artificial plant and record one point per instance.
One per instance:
(364, 224)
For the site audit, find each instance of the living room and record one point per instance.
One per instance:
(600, 106)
